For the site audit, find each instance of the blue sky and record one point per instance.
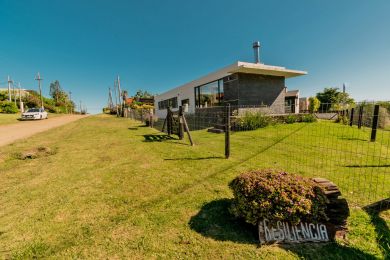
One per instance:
(157, 45)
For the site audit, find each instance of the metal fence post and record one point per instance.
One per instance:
(181, 130)
(169, 122)
(351, 118)
(227, 131)
(360, 117)
(374, 123)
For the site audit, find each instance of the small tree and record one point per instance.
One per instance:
(333, 99)
(55, 90)
(314, 104)
(143, 94)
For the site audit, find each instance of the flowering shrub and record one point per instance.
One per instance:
(309, 118)
(252, 121)
(277, 196)
(344, 120)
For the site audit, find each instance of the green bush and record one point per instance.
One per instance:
(8, 107)
(309, 118)
(3, 95)
(252, 121)
(277, 196)
(342, 120)
(290, 119)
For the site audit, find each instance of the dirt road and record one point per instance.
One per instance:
(11, 133)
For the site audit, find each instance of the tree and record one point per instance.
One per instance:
(333, 99)
(143, 94)
(55, 90)
(314, 104)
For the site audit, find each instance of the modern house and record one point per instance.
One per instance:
(291, 101)
(239, 84)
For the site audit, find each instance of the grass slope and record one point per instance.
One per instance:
(106, 192)
(6, 119)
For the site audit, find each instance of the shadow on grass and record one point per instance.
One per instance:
(194, 159)
(330, 250)
(158, 138)
(367, 166)
(381, 227)
(215, 221)
(133, 128)
(337, 251)
(353, 139)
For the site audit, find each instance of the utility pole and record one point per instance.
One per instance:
(110, 104)
(38, 78)
(13, 90)
(70, 101)
(9, 89)
(120, 96)
(116, 99)
(80, 107)
(20, 99)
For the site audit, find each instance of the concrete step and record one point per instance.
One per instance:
(215, 130)
(219, 126)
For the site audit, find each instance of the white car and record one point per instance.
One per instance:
(34, 113)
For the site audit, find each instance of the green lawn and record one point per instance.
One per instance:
(6, 119)
(107, 193)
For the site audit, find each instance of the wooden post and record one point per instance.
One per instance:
(351, 118)
(227, 131)
(164, 124)
(187, 130)
(169, 121)
(374, 123)
(151, 118)
(360, 117)
(181, 130)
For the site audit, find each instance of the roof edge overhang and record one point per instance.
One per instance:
(240, 67)
(261, 69)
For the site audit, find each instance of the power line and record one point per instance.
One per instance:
(9, 88)
(38, 78)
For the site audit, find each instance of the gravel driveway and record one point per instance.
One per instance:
(11, 133)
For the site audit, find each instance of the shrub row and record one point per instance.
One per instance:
(277, 196)
(255, 120)
(8, 107)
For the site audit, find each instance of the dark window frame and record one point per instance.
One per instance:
(219, 96)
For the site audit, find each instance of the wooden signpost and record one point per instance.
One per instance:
(337, 212)
(283, 232)
(176, 123)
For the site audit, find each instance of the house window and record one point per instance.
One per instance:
(210, 94)
(164, 104)
(185, 101)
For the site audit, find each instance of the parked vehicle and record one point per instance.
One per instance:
(34, 114)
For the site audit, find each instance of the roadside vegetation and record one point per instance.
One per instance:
(166, 199)
(58, 102)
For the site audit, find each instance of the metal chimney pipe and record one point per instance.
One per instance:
(256, 50)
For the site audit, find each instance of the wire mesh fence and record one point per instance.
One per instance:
(335, 142)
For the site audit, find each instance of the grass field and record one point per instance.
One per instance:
(6, 119)
(105, 192)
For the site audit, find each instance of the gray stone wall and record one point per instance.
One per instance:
(261, 90)
(231, 89)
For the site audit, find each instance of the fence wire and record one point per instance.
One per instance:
(337, 146)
